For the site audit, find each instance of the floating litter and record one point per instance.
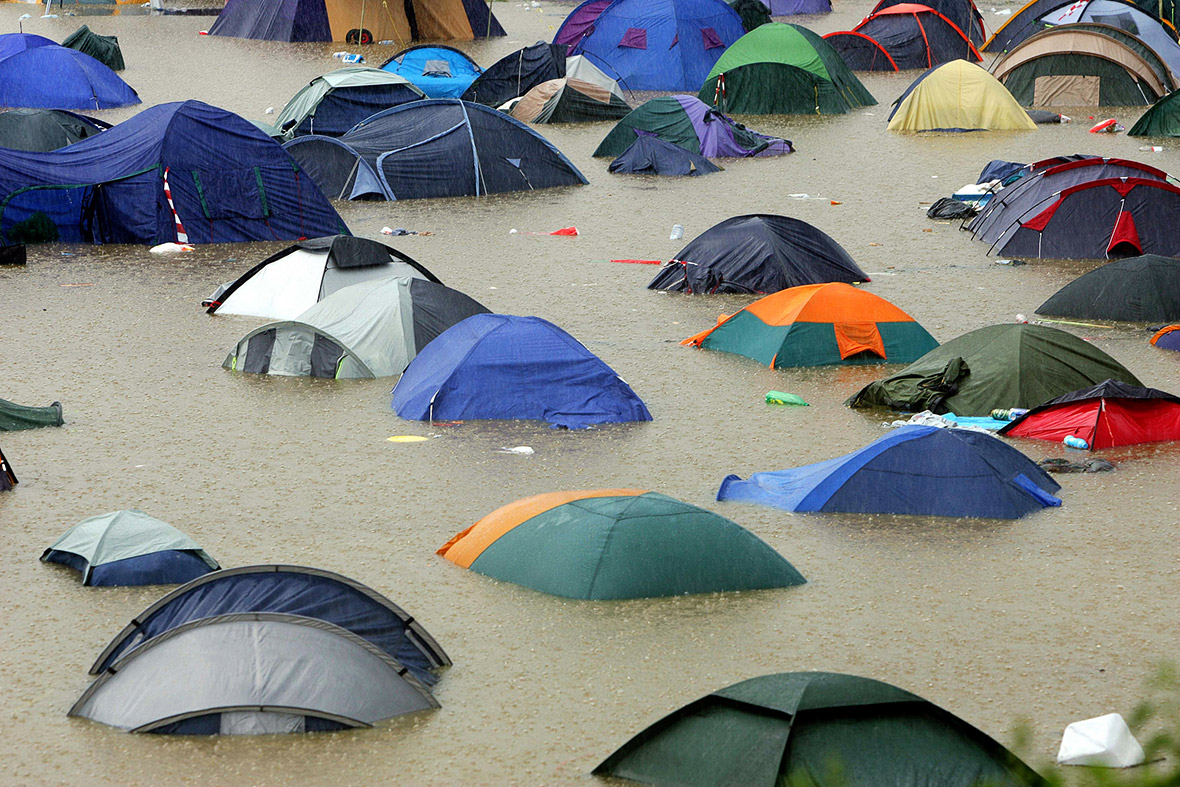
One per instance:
(522, 450)
(407, 438)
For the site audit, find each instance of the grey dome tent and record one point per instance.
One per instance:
(820, 729)
(293, 590)
(333, 103)
(15, 417)
(370, 329)
(288, 283)
(129, 548)
(252, 673)
(43, 130)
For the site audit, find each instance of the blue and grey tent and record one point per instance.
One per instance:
(650, 155)
(434, 148)
(517, 73)
(438, 71)
(292, 590)
(35, 72)
(495, 366)
(249, 674)
(653, 44)
(921, 470)
(129, 548)
(228, 181)
(333, 103)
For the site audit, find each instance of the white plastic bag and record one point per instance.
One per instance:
(1105, 741)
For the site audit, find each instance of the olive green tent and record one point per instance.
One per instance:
(104, 49)
(1000, 366)
(14, 417)
(815, 729)
(1162, 119)
(783, 69)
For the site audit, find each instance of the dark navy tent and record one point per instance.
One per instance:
(650, 155)
(654, 44)
(438, 71)
(35, 72)
(294, 590)
(357, 21)
(920, 470)
(8, 478)
(759, 253)
(1138, 289)
(43, 130)
(963, 13)
(516, 74)
(228, 182)
(495, 366)
(434, 148)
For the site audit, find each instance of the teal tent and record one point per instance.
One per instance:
(14, 417)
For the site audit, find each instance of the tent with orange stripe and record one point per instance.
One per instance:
(617, 544)
(819, 324)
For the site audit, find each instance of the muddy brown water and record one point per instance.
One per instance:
(1053, 618)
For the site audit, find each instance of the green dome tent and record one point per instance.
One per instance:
(104, 49)
(815, 729)
(14, 417)
(783, 69)
(1162, 119)
(1011, 365)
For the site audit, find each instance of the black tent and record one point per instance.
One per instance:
(649, 155)
(754, 13)
(516, 74)
(758, 253)
(43, 130)
(7, 477)
(104, 49)
(1138, 289)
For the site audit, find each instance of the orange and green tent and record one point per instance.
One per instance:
(819, 324)
(616, 544)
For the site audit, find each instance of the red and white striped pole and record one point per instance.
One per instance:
(181, 235)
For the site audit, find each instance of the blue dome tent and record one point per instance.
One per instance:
(292, 590)
(184, 171)
(654, 44)
(919, 470)
(36, 72)
(433, 148)
(438, 71)
(496, 366)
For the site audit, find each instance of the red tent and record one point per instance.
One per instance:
(1106, 415)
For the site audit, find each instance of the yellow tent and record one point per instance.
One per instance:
(958, 96)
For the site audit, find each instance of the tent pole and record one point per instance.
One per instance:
(360, 36)
(488, 34)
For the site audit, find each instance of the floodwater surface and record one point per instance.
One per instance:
(1060, 616)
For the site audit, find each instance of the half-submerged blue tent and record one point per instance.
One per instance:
(650, 155)
(226, 181)
(438, 71)
(912, 470)
(653, 44)
(36, 72)
(497, 366)
(291, 590)
(437, 147)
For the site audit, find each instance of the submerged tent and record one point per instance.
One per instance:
(653, 44)
(184, 172)
(333, 103)
(963, 13)
(914, 470)
(757, 253)
(793, 7)
(815, 728)
(1167, 338)
(1139, 289)
(1000, 366)
(249, 674)
(653, 156)
(1068, 67)
(1162, 119)
(288, 283)
(370, 329)
(496, 366)
(35, 72)
(291, 590)
(903, 36)
(434, 148)
(958, 96)
(438, 71)
(517, 73)
(688, 122)
(8, 478)
(357, 21)
(753, 13)
(15, 417)
(43, 130)
(104, 49)
(783, 69)
(1105, 415)
(617, 544)
(819, 324)
(129, 548)
(584, 94)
